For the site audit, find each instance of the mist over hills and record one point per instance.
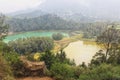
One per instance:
(77, 10)
(60, 14)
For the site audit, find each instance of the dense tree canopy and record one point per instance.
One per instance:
(32, 45)
(45, 22)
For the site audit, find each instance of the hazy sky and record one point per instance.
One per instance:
(15, 5)
(7, 6)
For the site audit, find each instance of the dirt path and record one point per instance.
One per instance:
(35, 78)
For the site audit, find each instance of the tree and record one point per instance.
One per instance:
(49, 58)
(62, 71)
(57, 36)
(108, 38)
(3, 27)
(61, 58)
(98, 58)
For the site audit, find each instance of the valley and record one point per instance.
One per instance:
(59, 40)
(70, 45)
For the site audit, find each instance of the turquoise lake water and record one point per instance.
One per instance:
(31, 34)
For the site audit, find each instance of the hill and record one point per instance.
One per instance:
(79, 10)
(45, 22)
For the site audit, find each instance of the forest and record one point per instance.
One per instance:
(54, 22)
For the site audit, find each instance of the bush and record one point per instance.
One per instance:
(62, 71)
(14, 61)
(5, 70)
(57, 36)
(102, 72)
(49, 58)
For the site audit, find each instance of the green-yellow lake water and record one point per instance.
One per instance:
(81, 52)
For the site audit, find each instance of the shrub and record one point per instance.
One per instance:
(57, 36)
(102, 72)
(49, 58)
(5, 70)
(62, 71)
(14, 61)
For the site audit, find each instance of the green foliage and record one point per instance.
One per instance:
(45, 22)
(110, 40)
(102, 72)
(61, 58)
(3, 27)
(12, 60)
(98, 58)
(53, 22)
(5, 69)
(49, 58)
(4, 47)
(102, 65)
(32, 45)
(62, 71)
(58, 65)
(78, 71)
(15, 63)
(12, 57)
(57, 36)
(92, 30)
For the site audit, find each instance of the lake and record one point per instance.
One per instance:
(31, 34)
(81, 51)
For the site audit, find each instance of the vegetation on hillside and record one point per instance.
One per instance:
(53, 22)
(5, 69)
(32, 45)
(3, 27)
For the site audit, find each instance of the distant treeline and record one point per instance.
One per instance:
(45, 22)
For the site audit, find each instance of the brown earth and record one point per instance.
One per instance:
(35, 78)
